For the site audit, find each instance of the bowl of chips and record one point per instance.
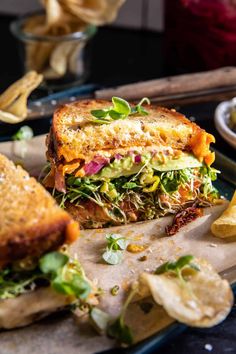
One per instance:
(55, 42)
(61, 54)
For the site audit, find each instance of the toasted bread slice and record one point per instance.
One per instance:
(74, 136)
(31, 223)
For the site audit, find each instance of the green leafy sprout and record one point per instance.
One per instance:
(117, 328)
(116, 244)
(55, 269)
(135, 189)
(177, 267)
(24, 133)
(121, 109)
(114, 327)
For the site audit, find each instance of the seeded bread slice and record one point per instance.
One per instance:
(74, 136)
(31, 223)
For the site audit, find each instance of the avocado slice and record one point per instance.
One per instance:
(127, 167)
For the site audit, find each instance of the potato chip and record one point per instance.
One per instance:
(50, 74)
(225, 225)
(76, 64)
(53, 11)
(59, 57)
(96, 12)
(203, 299)
(38, 55)
(10, 118)
(13, 101)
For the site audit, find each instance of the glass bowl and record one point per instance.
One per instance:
(63, 60)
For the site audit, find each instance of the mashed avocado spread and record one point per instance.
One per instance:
(126, 166)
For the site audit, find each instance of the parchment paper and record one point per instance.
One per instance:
(65, 334)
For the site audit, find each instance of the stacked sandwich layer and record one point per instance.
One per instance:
(127, 168)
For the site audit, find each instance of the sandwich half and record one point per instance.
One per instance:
(36, 274)
(113, 163)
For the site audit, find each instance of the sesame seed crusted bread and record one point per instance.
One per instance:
(31, 223)
(76, 137)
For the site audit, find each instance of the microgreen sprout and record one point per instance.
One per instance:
(121, 109)
(118, 328)
(55, 269)
(24, 133)
(116, 244)
(177, 267)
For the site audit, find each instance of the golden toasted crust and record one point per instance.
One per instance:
(30, 221)
(75, 137)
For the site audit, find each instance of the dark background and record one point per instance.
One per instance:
(122, 56)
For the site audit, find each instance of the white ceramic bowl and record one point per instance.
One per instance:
(222, 119)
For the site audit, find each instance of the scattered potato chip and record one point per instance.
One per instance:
(13, 101)
(200, 299)
(7, 117)
(225, 225)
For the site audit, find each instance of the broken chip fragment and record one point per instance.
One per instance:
(225, 225)
(13, 101)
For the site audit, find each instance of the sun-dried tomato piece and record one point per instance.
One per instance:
(182, 218)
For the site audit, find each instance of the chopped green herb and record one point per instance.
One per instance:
(115, 290)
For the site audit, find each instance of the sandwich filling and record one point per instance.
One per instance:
(55, 270)
(121, 164)
(136, 187)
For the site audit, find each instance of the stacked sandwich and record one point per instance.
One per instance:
(113, 163)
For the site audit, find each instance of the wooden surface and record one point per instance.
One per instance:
(220, 78)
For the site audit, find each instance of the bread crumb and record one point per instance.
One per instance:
(213, 245)
(142, 259)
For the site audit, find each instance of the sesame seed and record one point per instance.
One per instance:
(213, 245)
